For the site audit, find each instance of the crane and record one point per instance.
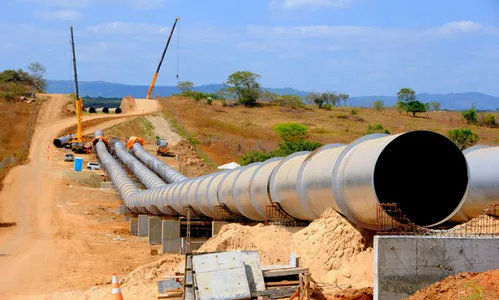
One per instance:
(77, 142)
(155, 76)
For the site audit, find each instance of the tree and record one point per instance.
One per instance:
(185, 86)
(401, 107)
(245, 86)
(291, 132)
(463, 138)
(343, 97)
(378, 105)
(319, 99)
(332, 98)
(406, 95)
(37, 73)
(291, 101)
(269, 96)
(435, 105)
(470, 116)
(416, 107)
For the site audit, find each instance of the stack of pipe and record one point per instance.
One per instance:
(423, 172)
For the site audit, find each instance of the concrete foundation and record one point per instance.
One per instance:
(134, 226)
(405, 264)
(107, 185)
(216, 226)
(124, 210)
(154, 230)
(170, 236)
(143, 225)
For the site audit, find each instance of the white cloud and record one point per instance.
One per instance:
(137, 4)
(296, 4)
(59, 15)
(460, 27)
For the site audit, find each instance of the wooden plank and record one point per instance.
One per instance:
(282, 283)
(276, 293)
(284, 272)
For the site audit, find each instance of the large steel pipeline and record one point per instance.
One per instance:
(423, 172)
(483, 162)
(63, 140)
(143, 174)
(163, 170)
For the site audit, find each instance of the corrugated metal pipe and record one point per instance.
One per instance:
(423, 172)
(63, 140)
(483, 162)
(166, 172)
(143, 174)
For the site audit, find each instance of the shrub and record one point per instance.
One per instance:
(378, 105)
(470, 116)
(376, 128)
(354, 112)
(489, 120)
(209, 101)
(342, 116)
(328, 106)
(291, 132)
(463, 138)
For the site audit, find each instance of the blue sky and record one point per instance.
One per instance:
(361, 47)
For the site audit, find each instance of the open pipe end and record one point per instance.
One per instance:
(425, 174)
(58, 143)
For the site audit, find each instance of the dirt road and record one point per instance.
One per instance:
(35, 252)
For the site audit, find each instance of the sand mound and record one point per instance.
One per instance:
(463, 286)
(271, 241)
(146, 274)
(336, 251)
(128, 104)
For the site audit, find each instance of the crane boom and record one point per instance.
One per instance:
(77, 142)
(155, 76)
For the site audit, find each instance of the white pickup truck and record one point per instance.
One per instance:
(93, 166)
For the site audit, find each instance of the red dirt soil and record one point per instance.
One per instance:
(462, 286)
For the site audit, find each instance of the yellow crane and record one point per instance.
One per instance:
(151, 87)
(77, 142)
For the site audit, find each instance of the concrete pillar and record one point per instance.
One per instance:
(216, 226)
(170, 236)
(143, 225)
(155, 230)
(124, 210)
(134, 226)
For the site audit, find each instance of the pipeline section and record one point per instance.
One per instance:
(63, 140)
(166, 172)
(483, 162)
(423, 172)
(143, 174)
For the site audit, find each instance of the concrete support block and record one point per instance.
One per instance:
(134, 226)
(170, 236)
(107, 185)
(143, 225)
(405, 264)
(155, 230)
(124, 210)
(216, 226)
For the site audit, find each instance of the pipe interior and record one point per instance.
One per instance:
(57, 143)
(424, 173)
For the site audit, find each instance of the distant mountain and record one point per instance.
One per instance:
(106, 89)
(452, 101)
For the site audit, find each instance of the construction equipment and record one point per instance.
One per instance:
(76, 142)
(162, 147)
(161, 61)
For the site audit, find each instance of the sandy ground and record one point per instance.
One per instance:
(163, 129)
(59, 242)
